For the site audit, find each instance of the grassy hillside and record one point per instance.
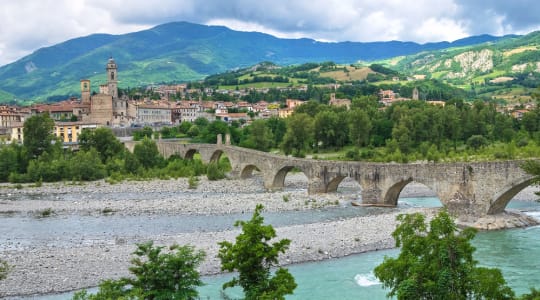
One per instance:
(505, 71)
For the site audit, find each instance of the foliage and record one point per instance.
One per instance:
(145, 132)
(9, 160)
(253, 257)
(533, 295)
(38, 136)
(299, 134)
(147, 153)
(214, 172)
(156, 275)
(476, 141)
(103, 140)
(4, 269)
(86, 165)
(437, 263)
(193, 182)
(259, 136)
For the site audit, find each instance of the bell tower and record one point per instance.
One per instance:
(112, 78)
(85, 91)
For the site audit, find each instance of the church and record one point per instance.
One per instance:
(106, 107)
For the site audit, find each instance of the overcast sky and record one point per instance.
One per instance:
(27, 25)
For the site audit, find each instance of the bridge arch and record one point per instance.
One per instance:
(501, 199)
(334, 184)
(247, 171)
(216, 155)
(392, 194)
(278, 181)
(190, 153)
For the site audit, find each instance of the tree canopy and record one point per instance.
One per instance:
(156, 275)
(253, 257)
(436, 262)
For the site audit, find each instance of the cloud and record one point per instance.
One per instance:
(28, 24)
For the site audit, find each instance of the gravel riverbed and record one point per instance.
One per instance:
(50, 267)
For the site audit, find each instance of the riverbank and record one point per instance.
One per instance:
(54, 267)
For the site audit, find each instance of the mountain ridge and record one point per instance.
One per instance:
(179, 52)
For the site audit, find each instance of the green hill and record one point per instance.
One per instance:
(179, 52)
(506, 70)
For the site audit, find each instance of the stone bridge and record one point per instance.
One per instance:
(465, 188)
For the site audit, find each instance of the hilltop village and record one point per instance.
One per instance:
(108, 108)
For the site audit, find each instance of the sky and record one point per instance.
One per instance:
(27, 25)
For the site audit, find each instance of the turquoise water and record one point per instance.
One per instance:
(514, 251)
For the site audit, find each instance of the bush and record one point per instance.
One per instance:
(253, 257)
(4, 269)
(436, 262)
(193, 182)
(156, 275)
(214, 172)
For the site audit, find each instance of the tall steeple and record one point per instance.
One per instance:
(112, 78)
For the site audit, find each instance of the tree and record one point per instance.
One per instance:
(157, 275)
(438, 263)
(147, 153)
(260, 136)
(38, 134)
(299, 134)
(145, 132)
(359, 127)
(9, 161)
(476, 141)
(86, 165)
(253, 257)
(103, 140)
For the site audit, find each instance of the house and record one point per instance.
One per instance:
(339, 102)
(153, 113)
(518, 113)
(69, 132)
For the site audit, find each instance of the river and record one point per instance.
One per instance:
(513, 251)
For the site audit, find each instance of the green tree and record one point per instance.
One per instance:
(9, 160)
(156, 275)
(146, 132)
(103, 140)
(260, 136)
(359, 127)
(252, 256)
(299, 134)
(147, 153)
(437, 263)
(533, 295)
(278, 127)
(38, 134)
(477, 141)
(86, 165)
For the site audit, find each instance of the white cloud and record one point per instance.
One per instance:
(27, 25)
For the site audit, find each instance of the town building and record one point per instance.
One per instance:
(339, 102)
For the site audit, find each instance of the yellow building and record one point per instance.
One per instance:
(69, 132)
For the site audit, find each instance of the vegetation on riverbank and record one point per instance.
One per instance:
(42, 159)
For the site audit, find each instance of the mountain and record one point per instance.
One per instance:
(507, 69)
(181, 51)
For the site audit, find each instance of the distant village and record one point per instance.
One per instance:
(107, 108)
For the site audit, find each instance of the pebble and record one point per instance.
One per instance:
(39, 269)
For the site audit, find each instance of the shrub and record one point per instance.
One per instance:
(214, 172)
(193, 182)
(253, 257)
(156, 275)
